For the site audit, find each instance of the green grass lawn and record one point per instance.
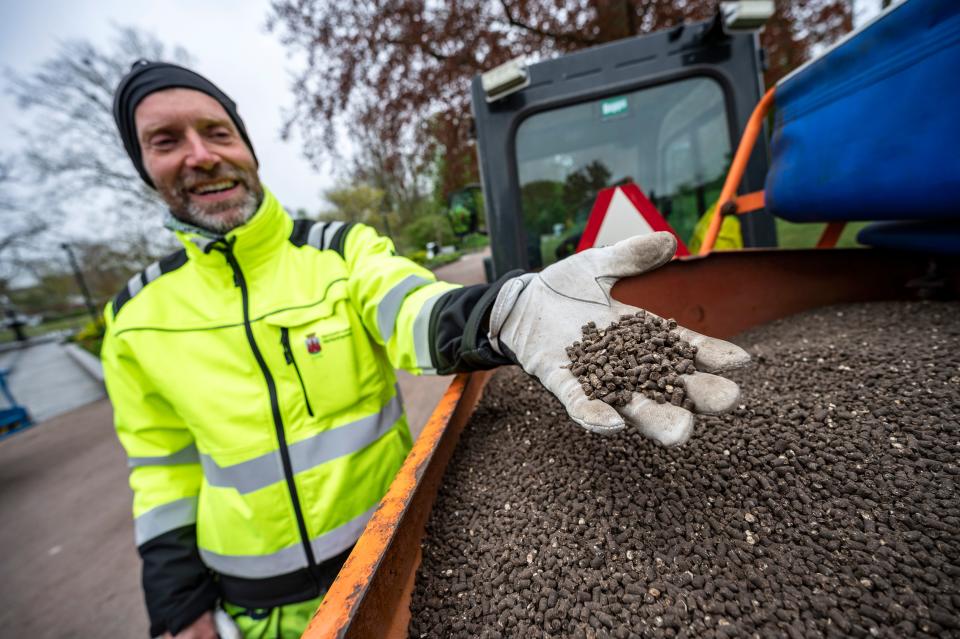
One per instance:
(790, 235)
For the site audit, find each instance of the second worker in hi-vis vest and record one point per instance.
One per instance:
(252, 371)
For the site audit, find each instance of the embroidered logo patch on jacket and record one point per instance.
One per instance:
(313, 344)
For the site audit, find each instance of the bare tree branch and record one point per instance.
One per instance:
(73, 162)
(561, 36)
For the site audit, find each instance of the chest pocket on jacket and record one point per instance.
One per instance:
(322, 348)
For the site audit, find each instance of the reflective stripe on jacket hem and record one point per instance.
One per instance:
(186, 455)
(389, 306)
(267, 469)
(292, 557)
(164, 518)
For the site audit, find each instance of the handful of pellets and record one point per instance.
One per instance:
(639, 354)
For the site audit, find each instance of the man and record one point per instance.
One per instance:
(252, 378)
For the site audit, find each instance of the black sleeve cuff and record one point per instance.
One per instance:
(458, 329)
(177, 586)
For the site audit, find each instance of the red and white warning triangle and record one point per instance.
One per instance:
(620, 212)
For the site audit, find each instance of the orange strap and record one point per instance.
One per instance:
(737, 168)
(831, 234)
(750, 202)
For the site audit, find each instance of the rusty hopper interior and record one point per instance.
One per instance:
(721, 295)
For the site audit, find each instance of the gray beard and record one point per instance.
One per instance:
(212, 218)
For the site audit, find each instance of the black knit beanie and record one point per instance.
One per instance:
(147, 77)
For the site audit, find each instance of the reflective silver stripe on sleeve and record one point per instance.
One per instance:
(290, 558)
(186, 455)
(153, 272)
(321, 234)
(134, 285)
(389, 306)
(165, 518)
(421, 335)
(267, 469)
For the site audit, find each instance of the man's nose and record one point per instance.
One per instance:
(198, 154)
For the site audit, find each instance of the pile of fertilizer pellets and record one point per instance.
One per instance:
(825, 505)
(641, 353)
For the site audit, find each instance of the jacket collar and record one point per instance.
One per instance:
(252, 243)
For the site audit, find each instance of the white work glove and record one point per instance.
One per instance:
(536, 316)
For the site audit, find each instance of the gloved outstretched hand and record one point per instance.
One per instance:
(536, 316)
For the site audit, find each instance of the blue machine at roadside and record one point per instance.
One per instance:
(13, 417)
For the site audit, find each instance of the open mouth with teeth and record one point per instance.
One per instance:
(214, 189)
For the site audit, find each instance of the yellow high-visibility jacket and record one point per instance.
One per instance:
(253, 390)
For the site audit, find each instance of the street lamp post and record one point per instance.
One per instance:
(81, 282)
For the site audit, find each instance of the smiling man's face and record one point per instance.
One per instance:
(197, 160)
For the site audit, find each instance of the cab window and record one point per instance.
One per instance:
(672, 140)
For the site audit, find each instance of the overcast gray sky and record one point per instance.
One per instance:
(229, 43)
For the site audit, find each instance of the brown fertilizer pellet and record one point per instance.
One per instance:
(824, 505)
(641, 353)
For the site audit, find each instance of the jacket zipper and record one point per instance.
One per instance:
(288, 355)
(241, 282)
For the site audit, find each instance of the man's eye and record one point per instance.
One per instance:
(163, 142)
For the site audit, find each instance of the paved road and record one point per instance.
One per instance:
(68, 562)
(47, 381)
(69, 567)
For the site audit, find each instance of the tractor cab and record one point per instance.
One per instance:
(662, 111)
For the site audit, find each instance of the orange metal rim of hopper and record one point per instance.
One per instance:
(343, 603)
